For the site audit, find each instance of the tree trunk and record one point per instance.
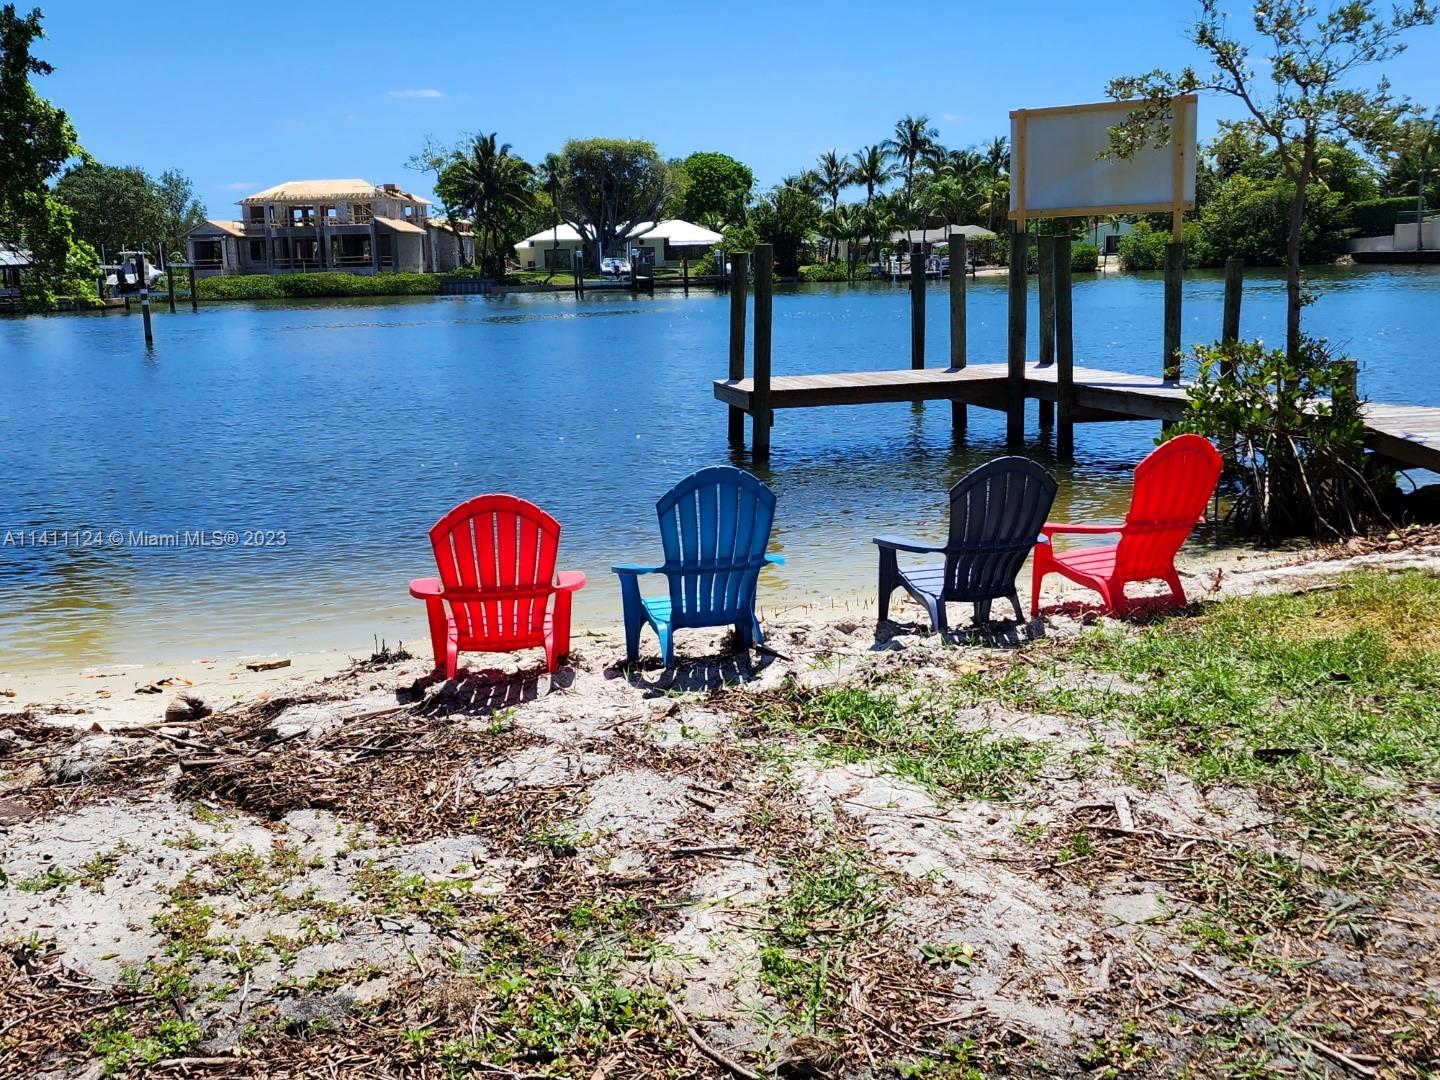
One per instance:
(1292, 250)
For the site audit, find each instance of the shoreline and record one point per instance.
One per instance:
(129, 694)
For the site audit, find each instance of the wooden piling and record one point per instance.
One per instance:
(1015, 357)
(739, 286)
(1174, 279)
(1234, 287)
(959, 412)
(194, 296)
(1347, 388)
(170, 286)
(1064, 354)
(917, 310)
(685, 275)
(1045, 259)
(760, 412)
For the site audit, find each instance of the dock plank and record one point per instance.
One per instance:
(1408, 435)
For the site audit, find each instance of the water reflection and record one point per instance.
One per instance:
(352, 425)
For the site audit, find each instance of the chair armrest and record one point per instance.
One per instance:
(426, 588)
(1053, 527)
(635, 569)
(570, 581)
(901, 543)
(775, 560)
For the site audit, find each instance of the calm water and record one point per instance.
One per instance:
(351, 426)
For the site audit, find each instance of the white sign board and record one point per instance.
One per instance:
(1058, 167)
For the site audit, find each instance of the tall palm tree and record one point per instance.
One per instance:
(872, 169)
(913, 137)
(549, 177)
(495, 188)
(835, 176)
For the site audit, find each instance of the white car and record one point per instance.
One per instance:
(613, 267)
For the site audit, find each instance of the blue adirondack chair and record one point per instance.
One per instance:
(996, 514)
(714, 526)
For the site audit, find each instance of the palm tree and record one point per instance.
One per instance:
(549, 176)
(913, 137)
(495, 188)
(872, 169)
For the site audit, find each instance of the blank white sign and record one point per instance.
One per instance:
(1064, 167)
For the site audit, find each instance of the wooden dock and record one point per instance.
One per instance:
(1408, 436)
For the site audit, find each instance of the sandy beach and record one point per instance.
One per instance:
(332, 869)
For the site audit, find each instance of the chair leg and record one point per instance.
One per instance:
(742, 634)
(634, 609)
(1177, 591)
(1015, 603)
(1113, 597)
(667, 645)
(889, 582)
(757, 636)
(938, 618)
(452, 654)
(982, 613)
(1035, 579)
(560, 624)
(440, 627)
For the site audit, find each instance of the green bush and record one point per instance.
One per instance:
(705, 266)
(1143, 248)
(835, 271)
(281, 287)
(1084, 257)
(1373, 217)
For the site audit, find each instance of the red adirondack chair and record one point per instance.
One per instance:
(1172, 486)
(496, 556)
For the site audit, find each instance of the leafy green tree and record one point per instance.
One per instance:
(612, 189)
(785, 217)
(716, 188)
(495, 190)
(835, 176)
(36, 139)
(434, 157)
(872, 170)
(1414, 166)
(1313, 60)
(913, 138)
(181, 210)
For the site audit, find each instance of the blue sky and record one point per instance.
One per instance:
(242, 97)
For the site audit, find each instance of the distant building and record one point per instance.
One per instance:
(305, 225)
(13, 259)
(664, 243)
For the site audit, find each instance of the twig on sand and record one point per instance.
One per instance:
(1334, 1055)
(700, 1043)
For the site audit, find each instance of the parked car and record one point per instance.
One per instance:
(614, 268)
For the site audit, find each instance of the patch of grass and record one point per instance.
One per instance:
(1115, 1054)
(918, 740)
(54, 877)
(121, 1047)
(393, 892)
(833, 903)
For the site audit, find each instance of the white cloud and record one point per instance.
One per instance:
(238, 185)
(415, 95)
(951, 116)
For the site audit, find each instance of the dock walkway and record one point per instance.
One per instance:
(1407, 435)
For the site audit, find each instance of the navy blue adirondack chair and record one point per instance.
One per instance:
(714, 526)
(996, 514)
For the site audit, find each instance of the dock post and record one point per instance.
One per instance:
(1174, 278)
(580, 273)
(1045, 257)
(1234, 286)
(917, 310)
(1015, 376)
(959, 411)
(739, 285)
(1347, 389)
(194, 296)
(760, 412)
(145, 304)
(685, 275)
(170, 286)
(1064, 354)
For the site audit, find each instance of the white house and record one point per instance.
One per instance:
(663, 243)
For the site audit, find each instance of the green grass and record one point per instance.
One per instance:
(834, 903)
(918, 740)
(321, 284)
(121, 1048)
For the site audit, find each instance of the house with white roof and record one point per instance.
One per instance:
(661, 243)
(304, 225)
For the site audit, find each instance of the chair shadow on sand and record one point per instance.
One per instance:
(994, 634)
(486, 690)
(730, 665)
